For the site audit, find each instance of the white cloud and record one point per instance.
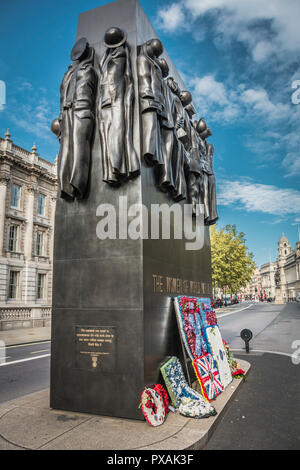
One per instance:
(266, 27)
(254, 197)
(25, 86)
(32, 110)
(214, 99)
(262, 50)
(172, 18)
(291, 164)
(258, 99)
(224, 103)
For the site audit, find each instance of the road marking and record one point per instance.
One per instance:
(262, 351)
(24, 360)
(234, 311)
(42, 350)
(25, 344)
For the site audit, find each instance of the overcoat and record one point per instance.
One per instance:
(77, 120)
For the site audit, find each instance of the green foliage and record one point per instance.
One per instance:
(232, 264)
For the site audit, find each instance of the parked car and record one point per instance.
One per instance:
(227, 300)
(218, 303)
(298, 297)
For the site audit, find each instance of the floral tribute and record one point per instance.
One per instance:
(179, 391)
(208, 315)
(164, 395)
(236, 372)
(191, 325)
(190, 408)
(217, 350)
(208, 377)
(153, 407)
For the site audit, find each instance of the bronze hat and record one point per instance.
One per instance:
(164, 66)
(186, 97)
(115, 37)
(201, 125)
(80, 49)
(157, 47)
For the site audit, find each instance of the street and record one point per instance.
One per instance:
(25, 370)
(266, 411)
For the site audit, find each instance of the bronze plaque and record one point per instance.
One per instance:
(95, 347)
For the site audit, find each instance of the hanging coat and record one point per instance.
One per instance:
(151, 107)
(77, 119)
(119, 157)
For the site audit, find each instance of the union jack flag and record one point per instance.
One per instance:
(208, 377)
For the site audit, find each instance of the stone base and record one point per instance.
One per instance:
(278, 297)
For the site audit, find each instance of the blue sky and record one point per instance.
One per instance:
(239, 59)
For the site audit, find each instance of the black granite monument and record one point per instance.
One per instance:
(126, 138)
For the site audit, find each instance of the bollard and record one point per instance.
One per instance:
(246, 336)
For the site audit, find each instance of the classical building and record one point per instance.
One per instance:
(267, 276)
(28, 186)
(288, 267)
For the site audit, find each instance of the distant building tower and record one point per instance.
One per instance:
(284, 247)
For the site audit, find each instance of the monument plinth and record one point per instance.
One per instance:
(113, 322)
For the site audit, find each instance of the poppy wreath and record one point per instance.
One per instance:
(190, 324)
(164, 395)
(153, 407)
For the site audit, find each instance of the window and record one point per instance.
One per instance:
(41, 204)
(13, 238)
(41, 285)
(13, 284)
(15, 195)
(40, 244)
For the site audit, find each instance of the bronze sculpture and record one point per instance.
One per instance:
(208, 177)
(75, 124)
(151, 100)
(165, 174)
(119, 158)
(194, 172)
(180, 158)
(171, 142)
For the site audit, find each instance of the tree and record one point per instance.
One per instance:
(232, 264)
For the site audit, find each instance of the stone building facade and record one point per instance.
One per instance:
(28, 187)
(253, 289)
(288, 266)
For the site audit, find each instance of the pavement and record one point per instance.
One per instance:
(29, 423)
(25, 335)
(265, 415)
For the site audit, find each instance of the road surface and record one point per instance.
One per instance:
(24, 369)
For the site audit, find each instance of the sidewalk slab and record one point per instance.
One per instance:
(25, 335)
(29, 423)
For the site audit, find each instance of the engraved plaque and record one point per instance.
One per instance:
(95, 347)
